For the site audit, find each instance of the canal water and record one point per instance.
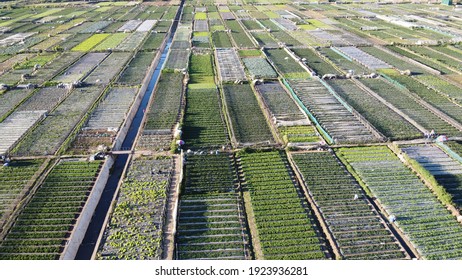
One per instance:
(91, 237)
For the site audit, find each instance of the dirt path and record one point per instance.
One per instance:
(169, 228)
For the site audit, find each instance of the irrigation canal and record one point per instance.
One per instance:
(91, 237)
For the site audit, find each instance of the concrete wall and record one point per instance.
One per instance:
(84, 219)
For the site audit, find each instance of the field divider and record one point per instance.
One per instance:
(449, 151)
(314, 207)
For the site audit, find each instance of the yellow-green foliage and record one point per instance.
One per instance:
(90, 43)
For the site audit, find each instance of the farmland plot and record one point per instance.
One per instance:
(285, 23)
(131, 42)
(429, 226)
(15, 126)
(259, 68)
(50, 134)
(441, 86)
(264, 39)
(409, 106)
(105, 121)
(286, 65)
(229, 65)
(210, 220)
(285, 232)
(387, 121)
(42, 227)
(177, 59)
(364, 58)
(238, 34)
(203, 125)
(341, 124)
(81, 68)
(48, 71)
(8, 62)
(90, 43)
(201, 26)
(248, 122)
(316, 63)
(155, 141)
(16, 178)
(130, 25)
(73, 41)
(153, 42)
(111, 42)
(392, 60)
(165, 107)
(136, 69)
(105, 72)
(97, 26)
(356, 227)
(146, 26)
(431, 96)
(282, 108)
(44, 99)
(220, 39)
(10, 99)
(135, 228)
(446, 170)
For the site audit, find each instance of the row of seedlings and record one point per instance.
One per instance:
(428, 225)
(45, 223)
(211, 222)
(357, 228)
(135, 227)
(280, 219)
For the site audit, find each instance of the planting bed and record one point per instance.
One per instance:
(135, 71)
(16, 178)
(447, 171)
(426, 222)
(15, 126)
(108, 69)
(48, 136)
(358, 230)
(340, 123)
(363, 58)
(177, 59)
(81, 68)
(401, 100)
(286, 65)
(229, 65)
(10, 99)
(165, 107)
(282, 108)
(387, 121)
(132, 41)
(285, 232)
(238, 34)
(211, 222)
(248, 122)
(259, 68)
(316, 63)
(44, 224)
(203, 125)
(135, 228)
